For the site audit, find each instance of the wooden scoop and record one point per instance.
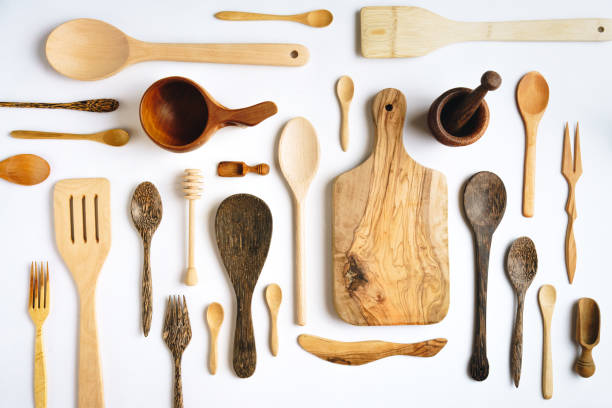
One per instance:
(315, 18)
(240, 169)
(547, 296)
(243, 226)
(24, 169)
(112, 137)
(588, 323)
(88, 49)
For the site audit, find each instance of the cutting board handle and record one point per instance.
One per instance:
(389, 110)
(245, 355)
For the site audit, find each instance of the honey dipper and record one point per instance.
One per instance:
(192, 187)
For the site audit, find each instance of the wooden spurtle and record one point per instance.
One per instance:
(243, 226)
(571, 170)
(547, 296)
(363, 352)
(315, 18)
(111, 137)
(24, 169)
(240, 169)
(91, 105)
(588, 324)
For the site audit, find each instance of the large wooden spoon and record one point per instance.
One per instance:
(111, 137)
(298, 156)
(532, 98)
(484, 201)
(547, 296)
(24, 169)
(522, 265)
(315, 18)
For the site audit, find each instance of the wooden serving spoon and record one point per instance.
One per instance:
(274, 297)
(91, 105)
(112, 137)
(298, 156)
(345, 89)
(532, 98)
(88, 49)
(24, 169)
(315, 18)
(588, 324)
(547, 296)
(522, 265)
(214, 318)
(484, 202)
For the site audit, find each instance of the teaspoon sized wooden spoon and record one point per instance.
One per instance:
(547, 296)
(25, 169)
(315, 18)
(522, 265)
(214, 318)
(345, 89)
(111, 137)
(88, 50)
(91, 105)
(532, 98)
(274, 297)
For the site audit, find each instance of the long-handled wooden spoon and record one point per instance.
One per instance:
(547, 296)
(24, 169)
(274, 297)
(588, 324)
(111, 137)
(315, 18)
(532, 98)
(345, 89)
(91, 105)
(214, 318)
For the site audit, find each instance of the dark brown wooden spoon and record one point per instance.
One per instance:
(146, 214)
(243, 226)
(484, 201)
(522, 265)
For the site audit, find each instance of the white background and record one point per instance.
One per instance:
(138, 371)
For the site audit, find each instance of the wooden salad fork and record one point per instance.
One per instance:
(571, 170)
(176, 335)
(38, 307)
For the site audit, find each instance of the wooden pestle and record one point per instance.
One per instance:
(470, 103)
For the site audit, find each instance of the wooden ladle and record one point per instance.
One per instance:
(521, 265)
(112, 137)
(484, 202)
(24, 169)
(315, 18)
(588, 323)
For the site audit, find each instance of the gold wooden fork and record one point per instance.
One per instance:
(38, 307)
(571, 170)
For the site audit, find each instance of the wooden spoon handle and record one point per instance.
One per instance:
(344, 129)
(529, 169)
(249, 116)
(90, 388)
(300, 290)
(245, 16)
(273, 335)
(32, 134)
(517, 342)
(92, 105)
(212, 358)
(245, 355)
(147, 289)
(547, 375)
(479, 364)
(584, 29)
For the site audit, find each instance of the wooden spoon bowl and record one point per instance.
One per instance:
(25, 169)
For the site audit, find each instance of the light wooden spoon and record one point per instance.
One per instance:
(214, 318)
(111, 137)
(24, 169)
(345, 89)
(298, 156)
(532, 98)
(547, 296)
(315, 18)
(274, 297)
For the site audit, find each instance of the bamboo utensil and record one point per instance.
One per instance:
(38, 307)
(192, 187)
(83, 237)
(298, 156)
(588, 324)
(547, 296)
(214, 318)
(532, 98)
(91, 105)
(522, 265)
(88, 49)
(24, 169)
(240, 169)
(111, 137)
(345, 89)
(274, 297)
(571, 170)
(176, 335)
(315, 18)
(147, 210)
(484, 202)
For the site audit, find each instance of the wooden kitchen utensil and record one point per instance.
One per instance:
(387, 213)
(484, 203)
(24, 169)
(192, 187)
(547, 296)
(532, 98)
(363, 352)
(112, 137)
(177, 335)
(571, 170)
(38, 308)
(521, 265)
(179, 115)
(91, 105)
(243, 226)
(240, 169)
(345, 89)
(315, 18)
(214, 318)
(83, 237)
(460, 116)
(274, 297)
(147, 210)
(413, 31)
(588, 324)
(298, 156)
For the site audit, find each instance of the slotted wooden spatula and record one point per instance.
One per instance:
(83, 237)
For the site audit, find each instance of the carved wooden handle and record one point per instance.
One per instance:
(479, 364)
(245, 16)
(90, 391)
(300, 290)
(274, 335)
(92, 105)
(147, 289)
(517, 342)
(212, 358)
(40, 372)
(529, 170)
(585, 366)
(547, 375)
(245, 354)
(249, 116)
(178, 384)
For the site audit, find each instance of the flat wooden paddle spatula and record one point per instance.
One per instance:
(243, 226)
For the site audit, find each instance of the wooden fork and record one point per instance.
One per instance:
(38, 307)
(176, 335)
(571, 170)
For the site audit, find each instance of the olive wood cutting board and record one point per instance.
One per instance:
(390, 231)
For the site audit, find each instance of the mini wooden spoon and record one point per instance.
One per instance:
(315, 18)
(547, 296)
(24, 169)
(214, 318)
(522, 265)
(112, 137)
(588, 323)
(345, 89)
(274, 297)
(532, 98)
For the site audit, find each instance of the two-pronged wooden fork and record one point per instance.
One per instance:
(571, 170)
(176, 335)
(38, 307)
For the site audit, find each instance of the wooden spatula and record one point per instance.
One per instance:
(83, 237)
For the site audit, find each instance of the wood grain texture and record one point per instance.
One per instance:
(24, 169)
(177, 335)
(363, 352)
(588, 325)
(390, 239)
(315, 18)
(192, 187)
(243, 227)
(91, 105)
(571, 170)
(547, 296)
(111, 137)
(38, 308)
(240, 169)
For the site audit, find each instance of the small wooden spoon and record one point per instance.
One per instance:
(24, 169)
(522, 265)
(111, 137)
(315, 18)
(298, 156)
(345, 89)
(588, 323)
(532, 98)
(274, 297)
(547, 296)
(214, 318)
